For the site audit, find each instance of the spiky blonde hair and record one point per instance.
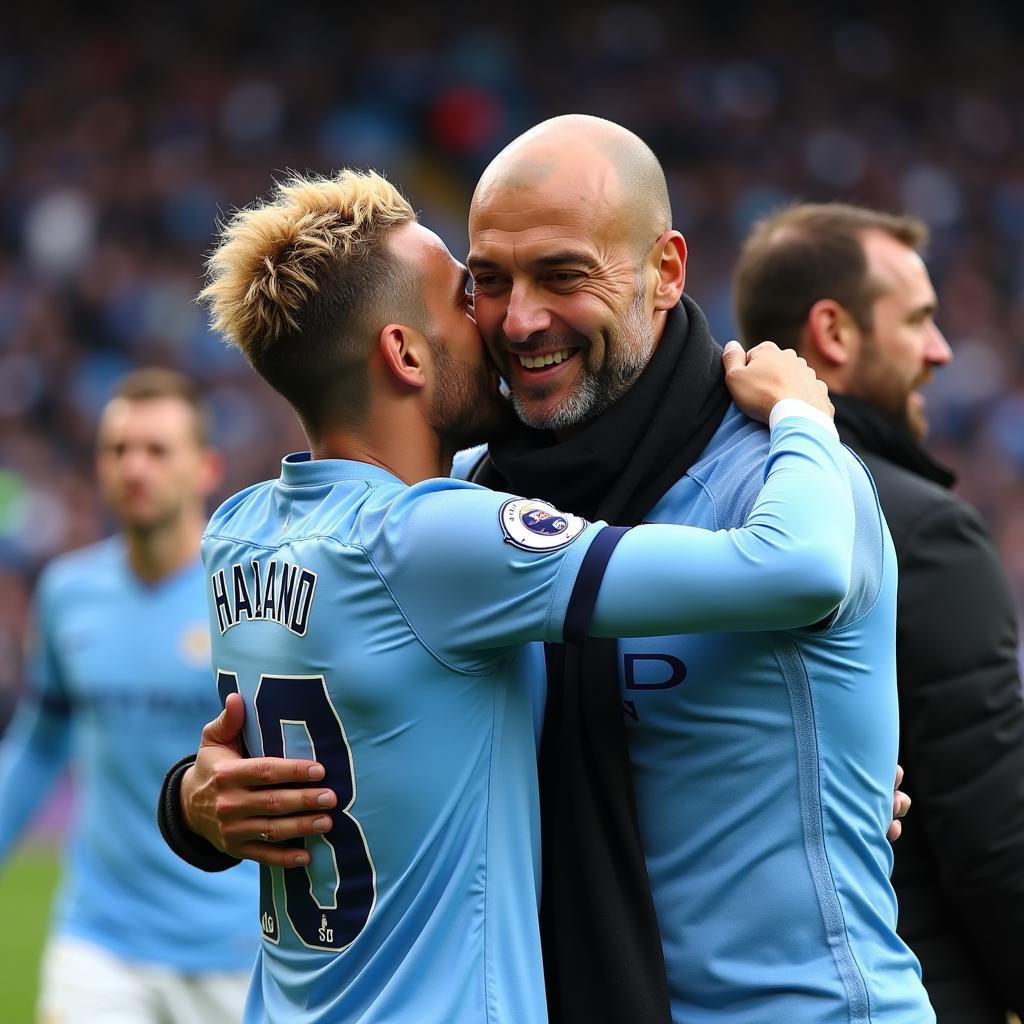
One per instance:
(299, 282)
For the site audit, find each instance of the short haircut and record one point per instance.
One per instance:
(152, 382)
(807, 252)
(303, 283)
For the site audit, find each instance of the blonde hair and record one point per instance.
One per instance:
(301, 284)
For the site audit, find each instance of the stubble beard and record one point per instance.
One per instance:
(878, 383)
(595, 391)
(466, 410)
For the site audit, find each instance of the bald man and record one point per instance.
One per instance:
(761, 763)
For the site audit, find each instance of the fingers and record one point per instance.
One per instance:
(900, 804)
(733, 356)
(237, 802)
(225, 729)
(277, 843)
(269, 771)
(272, 856)
(233, 716)
(764, 348)
(900, 800)
(279, 830)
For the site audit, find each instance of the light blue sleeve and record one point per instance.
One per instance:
(874, 559)
(470, 575)
(789, 565)
(36, 746)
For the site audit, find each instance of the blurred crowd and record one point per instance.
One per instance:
(124, 136)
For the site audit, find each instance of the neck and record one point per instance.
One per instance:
(403, 445)
(159, 552)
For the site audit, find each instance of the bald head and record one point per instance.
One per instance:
(574, 264)
(590, 161)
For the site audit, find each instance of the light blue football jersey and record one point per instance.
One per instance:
(383, 629)
(763, 765)
(120, 685)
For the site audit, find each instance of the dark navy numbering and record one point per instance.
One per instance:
(327, 903)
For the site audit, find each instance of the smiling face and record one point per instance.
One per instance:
(466, 406)
(561, 288)
(898, 354)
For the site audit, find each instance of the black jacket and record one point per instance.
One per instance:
(959, 873)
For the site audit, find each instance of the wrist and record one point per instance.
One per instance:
(187, 844)
(789, 407)
(185, 796)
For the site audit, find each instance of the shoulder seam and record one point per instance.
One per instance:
(880, 521)
(412, 629)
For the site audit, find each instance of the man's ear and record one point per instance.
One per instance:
(831, 335)
(403, 351)
(669, 256)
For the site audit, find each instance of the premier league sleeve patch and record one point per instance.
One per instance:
(537, 526)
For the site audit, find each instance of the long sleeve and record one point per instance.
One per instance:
(789, 565)
(36, 746)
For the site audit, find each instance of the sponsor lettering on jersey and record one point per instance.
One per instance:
(652, 671)
(275, 592)
(645, 672)
(537, 526)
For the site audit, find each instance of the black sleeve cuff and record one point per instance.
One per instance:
(188, 845)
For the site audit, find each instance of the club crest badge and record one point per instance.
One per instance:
(537, 526)
(194, 645)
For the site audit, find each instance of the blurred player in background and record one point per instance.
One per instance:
(847, 288)
(119, 680)
(372, 613)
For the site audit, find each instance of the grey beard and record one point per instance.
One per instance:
(596, 392)
(592, 396)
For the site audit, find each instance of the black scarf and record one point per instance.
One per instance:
(863, 426)
(602, 947)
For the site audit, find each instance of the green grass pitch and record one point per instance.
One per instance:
(26, 888)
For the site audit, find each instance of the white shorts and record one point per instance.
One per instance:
(82, 983)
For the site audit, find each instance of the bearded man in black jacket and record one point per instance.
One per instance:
(846, 287)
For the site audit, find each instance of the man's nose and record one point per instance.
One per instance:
(135, 462)
(937, 352)
(525, 315)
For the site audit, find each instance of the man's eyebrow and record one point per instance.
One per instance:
(573, 257)
(479, 263)
(567, 257)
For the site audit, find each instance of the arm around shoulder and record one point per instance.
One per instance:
(788, 566)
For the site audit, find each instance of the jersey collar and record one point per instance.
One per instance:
(300, 469)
